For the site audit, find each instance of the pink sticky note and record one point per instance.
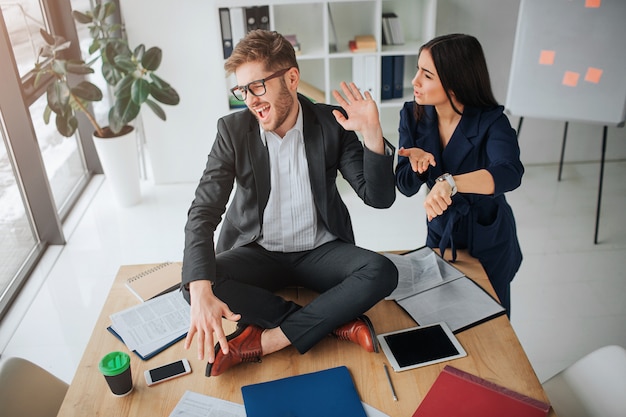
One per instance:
(546, 57)
(593, 75)
(570, 78)
(593, 3)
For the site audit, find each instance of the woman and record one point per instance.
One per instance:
(456, 139)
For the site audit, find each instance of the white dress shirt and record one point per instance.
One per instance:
(290, 220)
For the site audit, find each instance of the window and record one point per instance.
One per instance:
(18, 239)
(62, 157)
(42, 173)
(23, 19)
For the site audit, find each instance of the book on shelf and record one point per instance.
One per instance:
(432, 290)
(162, 278)
(293, 40)
(152, 326)
(328, 393)
(392, 30)
(332, 36)
(461, 394)
(363, 43)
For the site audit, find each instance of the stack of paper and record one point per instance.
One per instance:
(431, 290)
(150, 327)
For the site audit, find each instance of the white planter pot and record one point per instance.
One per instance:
(120, 163)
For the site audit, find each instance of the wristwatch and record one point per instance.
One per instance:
(447, 177)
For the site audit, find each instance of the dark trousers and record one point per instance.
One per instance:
(349, 280)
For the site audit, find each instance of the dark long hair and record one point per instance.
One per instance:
(462, 68)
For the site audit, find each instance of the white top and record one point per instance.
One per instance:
(290, 220)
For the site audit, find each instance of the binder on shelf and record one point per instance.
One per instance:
(398, 76)
(387, 73)
(227, 36)
(263, 17)
(328, 393)
(257, 17)
(459, 393)
(237, 24)
(251, 20)
(155, 281)
(364, 73)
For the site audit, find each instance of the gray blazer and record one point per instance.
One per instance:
(238, 154)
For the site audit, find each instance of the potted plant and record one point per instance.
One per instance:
(131, 75)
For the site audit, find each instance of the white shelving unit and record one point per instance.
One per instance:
(319, 24)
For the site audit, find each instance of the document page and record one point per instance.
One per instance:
(419, 271)
(193, 404)
(460, 303)
(153, 323)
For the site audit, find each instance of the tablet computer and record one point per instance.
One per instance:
(420, 346)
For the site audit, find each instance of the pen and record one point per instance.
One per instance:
(393, 391)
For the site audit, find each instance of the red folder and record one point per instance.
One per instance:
(456, 393)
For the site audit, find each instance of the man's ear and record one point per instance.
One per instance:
(293, 78)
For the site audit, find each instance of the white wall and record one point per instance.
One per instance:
(494, 22)
(192, 63)
(187, 32)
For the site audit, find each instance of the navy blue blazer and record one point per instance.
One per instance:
(484, 224)
(238, 155)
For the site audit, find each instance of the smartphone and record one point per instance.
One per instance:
(167, 372)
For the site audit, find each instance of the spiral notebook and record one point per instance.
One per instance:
(155, 281)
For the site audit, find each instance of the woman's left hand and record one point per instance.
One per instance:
(438, 199)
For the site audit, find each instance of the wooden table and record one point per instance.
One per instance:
(494, 353)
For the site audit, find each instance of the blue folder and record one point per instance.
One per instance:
(328, 393)
(386, 84)
(398, 76)
(147, 356)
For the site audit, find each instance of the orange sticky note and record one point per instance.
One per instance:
(593, 75)
(546, 57)
(593, 3)
(570, 78)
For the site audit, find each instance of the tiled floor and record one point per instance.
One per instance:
(568, 298)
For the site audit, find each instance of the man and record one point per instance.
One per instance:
(286, 224)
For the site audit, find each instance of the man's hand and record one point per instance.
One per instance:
(419, 159)
(362, 116)
(206, 319)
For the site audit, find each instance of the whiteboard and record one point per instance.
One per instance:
(569, 61)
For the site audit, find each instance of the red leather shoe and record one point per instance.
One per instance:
(359, 331)
(244, 345)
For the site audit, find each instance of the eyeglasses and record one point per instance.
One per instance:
(256, 88)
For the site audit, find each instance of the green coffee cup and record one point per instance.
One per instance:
(115, 366)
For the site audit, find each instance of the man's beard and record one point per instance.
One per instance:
(280, 110)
